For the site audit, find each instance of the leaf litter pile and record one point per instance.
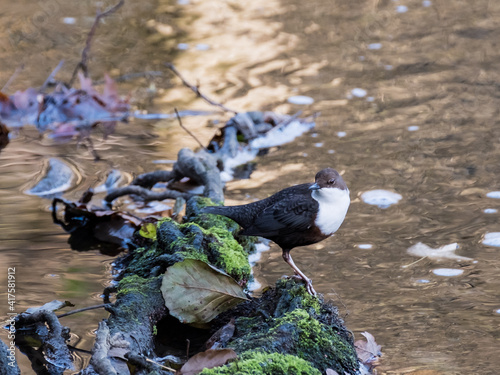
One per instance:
(193, 290)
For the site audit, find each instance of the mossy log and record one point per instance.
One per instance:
(286, 331)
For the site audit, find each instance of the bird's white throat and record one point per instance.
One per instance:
(333, 205)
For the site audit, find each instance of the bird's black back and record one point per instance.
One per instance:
(284, 217)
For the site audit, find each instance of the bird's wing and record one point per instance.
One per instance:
(283, 218)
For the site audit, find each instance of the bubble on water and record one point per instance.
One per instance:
(388, 67)
(331, 151)
(401, 9)
(498, 311)
(341, 134)
(490, 211)
(375, 46)
(358, 93)
(319, 144)
(370, 99)
(492, 239)
(413, 128)
(423, 281)
(314, 135)
(381, 198)
(183, 46)
(300, 100)
(449, 272)
(426, 3)
(493, 194)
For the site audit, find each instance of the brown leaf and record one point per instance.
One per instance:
(207, 359)
(196, 292)
(368, 351)
(220, 338)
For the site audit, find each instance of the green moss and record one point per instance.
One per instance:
(305, 301)
(132, 284)
(263, 363)
(316, 338)
(155, 330)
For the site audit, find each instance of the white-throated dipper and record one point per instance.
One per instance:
(296, 216)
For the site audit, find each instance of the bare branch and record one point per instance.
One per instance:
(187, 130)
(196, 90)
(83, 62)
(12, 77)
(51, 76)
(82, 309)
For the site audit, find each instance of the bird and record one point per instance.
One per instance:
(298, 215)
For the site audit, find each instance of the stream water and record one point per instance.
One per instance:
(409, 98)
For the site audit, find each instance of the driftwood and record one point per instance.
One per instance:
(200, 168)
(53, 337)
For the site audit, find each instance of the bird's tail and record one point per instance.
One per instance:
(216, 210)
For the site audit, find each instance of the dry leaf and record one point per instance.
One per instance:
(196, 292)
(220, 338)
(368, 351)
(207, 359)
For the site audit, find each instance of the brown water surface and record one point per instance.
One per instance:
(434, 66)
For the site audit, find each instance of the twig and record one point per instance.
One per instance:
(196, 90)
(145, 194)
(82, 309)
(51, 76)
(187, 348)
(287, 121)
(412, 263)
(187, 130)
(83, 62)
(12, 77)
(156, 363)
(126, 77)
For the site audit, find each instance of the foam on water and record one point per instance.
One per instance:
(448, 272)
(280, 136)
(381, 198)
(375, 46)
(365, 246)
(300, 99)
(358, 93)
(492, 239)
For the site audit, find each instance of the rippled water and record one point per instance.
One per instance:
(426, 127)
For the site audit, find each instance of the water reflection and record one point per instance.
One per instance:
(428, 132)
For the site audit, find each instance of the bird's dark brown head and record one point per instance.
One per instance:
(328, 178)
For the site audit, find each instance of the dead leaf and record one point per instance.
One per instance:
(117, 352)
(220, 338)
(196, 292)
(207, 359)
(368, 351)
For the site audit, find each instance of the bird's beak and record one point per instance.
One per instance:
(314, 186)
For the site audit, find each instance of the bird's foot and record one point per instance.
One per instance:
(308, 282)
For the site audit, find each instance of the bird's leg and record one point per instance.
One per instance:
(288, 258)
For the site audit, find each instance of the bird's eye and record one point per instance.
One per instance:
(332, 181)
